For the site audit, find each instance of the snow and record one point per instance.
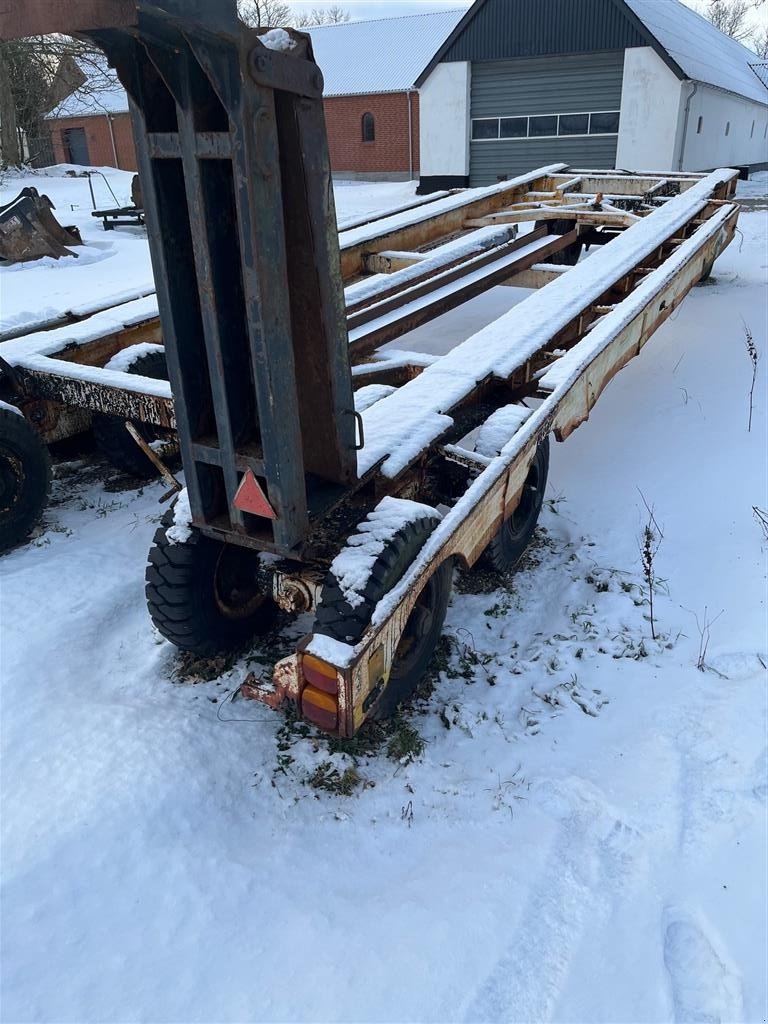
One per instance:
(406, 309)
(109, 264)
(352, 237)
(125, 358)
(389, 53)
(366, 396)
(352, 566)
(12, 408)
(568, 366)
(756, 187)
(499, 428)
(399, 427)
(181, 530)
(35, 351)
(114, 266)
(474, 242)
(277, 39)
(583, 837)
(703, 52)
(333, 651)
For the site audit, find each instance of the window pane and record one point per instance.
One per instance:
(574, 124)
(514, 127)
(487, 129)
(543, 126)
(604, 124)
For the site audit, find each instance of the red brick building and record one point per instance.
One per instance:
(371, 105)
(101, 140)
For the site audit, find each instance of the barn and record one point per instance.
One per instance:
(633, 84)
(371, 102)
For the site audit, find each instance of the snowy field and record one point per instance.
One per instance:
(568, 826)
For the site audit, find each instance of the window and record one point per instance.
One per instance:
(604, 123)
(514, 127)
(545, 126)
(486, 128)
(369, 128)
(727, 127)
(540, 126)
(699, 125)
(573, 124)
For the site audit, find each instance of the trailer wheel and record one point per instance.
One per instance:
(336, 617)
(25, 478)
(114, 441)
(507, 547)
(204, 595)
(568, 256)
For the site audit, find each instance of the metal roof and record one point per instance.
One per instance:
(356, 58)
(382, 55)
(108, 96)
(703, 52)
(685, 40)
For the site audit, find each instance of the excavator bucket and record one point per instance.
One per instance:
(29, 230)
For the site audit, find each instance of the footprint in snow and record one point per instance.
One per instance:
(704, 988)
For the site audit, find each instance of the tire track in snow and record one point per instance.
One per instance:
(593, 854)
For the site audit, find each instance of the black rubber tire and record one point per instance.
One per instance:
(338, 619)
(192, 596)
(568, 256)
(507, 547)
(25, 478)
(114, 441)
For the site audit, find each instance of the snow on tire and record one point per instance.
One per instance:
(374, 560)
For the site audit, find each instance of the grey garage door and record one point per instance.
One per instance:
(526, 113)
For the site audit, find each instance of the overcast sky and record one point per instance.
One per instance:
(363, 9)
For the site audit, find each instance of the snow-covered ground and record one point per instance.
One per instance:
(42, 290)
(571, 825)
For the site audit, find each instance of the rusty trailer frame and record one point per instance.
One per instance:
(271, 322)
(566, 392)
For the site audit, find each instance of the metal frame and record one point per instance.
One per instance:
(260, 335)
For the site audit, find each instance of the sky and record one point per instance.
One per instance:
(365, 9)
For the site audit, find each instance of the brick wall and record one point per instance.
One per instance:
(388, 154)
(100, 151)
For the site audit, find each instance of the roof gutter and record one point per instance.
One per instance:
(691, 94)
(408, 95)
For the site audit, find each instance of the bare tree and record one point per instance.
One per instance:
(730, 16)
(759, 43)
(36, 74)
(9, 139)
(322, 16)
(279, 13)
(265, 13)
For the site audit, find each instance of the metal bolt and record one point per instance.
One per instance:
(260, 62)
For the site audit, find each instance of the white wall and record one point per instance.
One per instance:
(444, 120)
(711, 147)
(650, 118)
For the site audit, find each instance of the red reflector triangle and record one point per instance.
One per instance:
(251, 498)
